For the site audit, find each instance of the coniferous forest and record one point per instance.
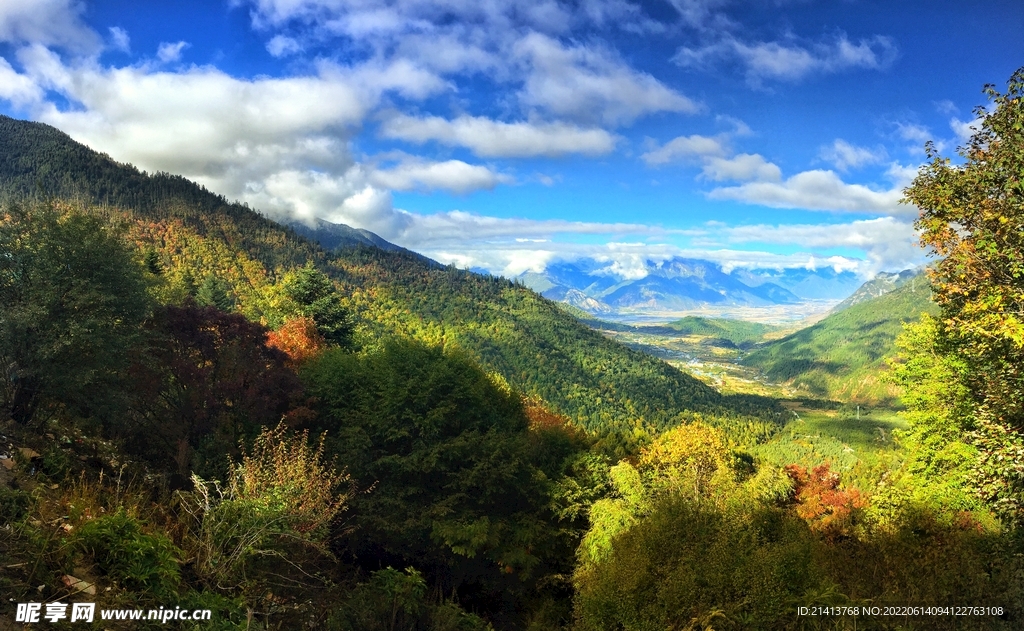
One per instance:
(199, 406)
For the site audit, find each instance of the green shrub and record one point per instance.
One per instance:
(137, 560)
(56, 463)
(13, 505)
(692, 565)
(275, 509)
(226, 614)
(397, 601)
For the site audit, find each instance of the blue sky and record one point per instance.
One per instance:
(509, 134)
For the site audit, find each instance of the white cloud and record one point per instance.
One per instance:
(889, 243)
(119, 39)
(452, 175)
(512, 246)
(368, 22)
(685, 148)
(493, 139)
(857, 234)
(817, 190)
(625, 15)
(946, 107)
(913, 132)
(739, 128)
(363, 18)
(591, 84)
(741, 167)
(455, 51)
(48, 23)
(251, 140)
(282, 46)
(516, 42)
(964, 129)
(401, 76)
(17, 88)
(901, 175)
(169, 52)
(45, 68)
(458, 226)
(634, 259)
(845, 156)
(703, 14)
(715, 157)
(791, 61)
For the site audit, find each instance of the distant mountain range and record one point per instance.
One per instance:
(681, 283)
(674, 285)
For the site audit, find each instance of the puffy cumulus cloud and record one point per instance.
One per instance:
(591, 84)
(686, 148)
(741, 168)
(791, 61)
(451, 175)
(715, 157)
(495, 139)
(17, 88)
(346, 198)
(460, 50)
(283, 46)
(249, 139)
(522, 45)
(817, 190)
(845, 156)
(169, 52)
(202, 122)
(401, 76)
(47, 22)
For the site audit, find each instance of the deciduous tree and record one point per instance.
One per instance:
(972, 218)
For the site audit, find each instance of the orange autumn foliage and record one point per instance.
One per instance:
(543, 421)
(820, 502)
(299, 339)
(541, 417)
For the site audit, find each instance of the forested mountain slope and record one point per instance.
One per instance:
(881, 284)
(537, 347)
(841, 357)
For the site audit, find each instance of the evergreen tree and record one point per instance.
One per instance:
(317, 298)
(72, 301)
(214, 293)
